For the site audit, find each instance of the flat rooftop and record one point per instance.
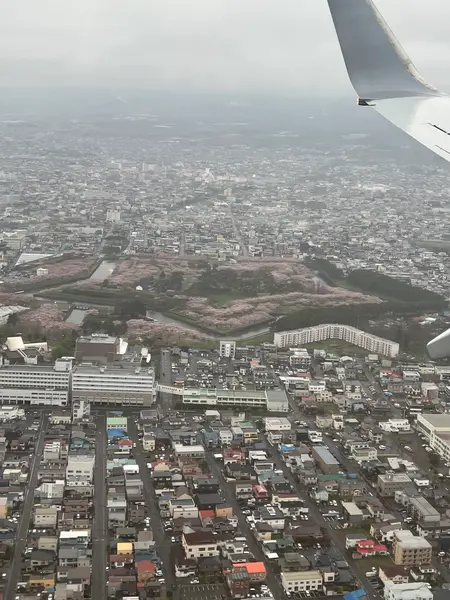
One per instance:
(441, 420)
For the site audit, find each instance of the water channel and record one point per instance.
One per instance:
(103, 271)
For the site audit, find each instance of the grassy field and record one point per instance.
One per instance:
(264, 338)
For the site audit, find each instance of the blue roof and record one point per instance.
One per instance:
(356, 594)
(117, 433)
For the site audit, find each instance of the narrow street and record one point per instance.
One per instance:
(27, 508)
(165, 378)
(162, 540)
(357, 569)
(100, 517)
(237, 234)
(273, 583)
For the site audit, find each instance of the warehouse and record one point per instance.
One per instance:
(326, 462)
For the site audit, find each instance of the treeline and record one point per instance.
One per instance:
(378, 284)
(354, 315)
(385, 286)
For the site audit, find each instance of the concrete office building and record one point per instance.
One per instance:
(436, 428)
(227, 349)
(389, 483)
(124, 385)
(270, 400)
(36, 385)
(319, 333)
(98, 348)
(407, 591)
(410, 550)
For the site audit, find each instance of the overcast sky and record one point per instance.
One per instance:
(281, 46)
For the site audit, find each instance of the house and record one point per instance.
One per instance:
(42, 558)
(394, 573)
(238, 583)
(146, 571)
(199, 544)
(255, 570)
(370, 548)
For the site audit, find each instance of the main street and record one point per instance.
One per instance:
(163, 543)
(165, 378)
(28, 503)
(100, 522)
(338, 542)
(254, 547)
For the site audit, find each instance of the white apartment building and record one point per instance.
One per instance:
(436, 428)
(114, 385)
(227, 349)
(301, 581)
(80, 470)
(81, 409)
(277, 424)
(395, 425)
(319, 333)
(407, 591)
(35, 385)
(15, 240)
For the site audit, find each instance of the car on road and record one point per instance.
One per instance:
(409, 449)
(382, 447)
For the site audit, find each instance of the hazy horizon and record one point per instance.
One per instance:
(228, 46)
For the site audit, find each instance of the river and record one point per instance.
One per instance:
(103, 271)
(77, 316)
(256, 330)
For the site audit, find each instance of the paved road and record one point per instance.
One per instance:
(338, 542)
(244, 529)
(165, 378)
(237, 235)
(100, 522)
(22, 531)
(163, 543)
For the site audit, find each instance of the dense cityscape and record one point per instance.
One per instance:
(213, 371)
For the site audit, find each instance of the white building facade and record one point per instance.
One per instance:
(34, 385)
(319, 333)
(110, 386)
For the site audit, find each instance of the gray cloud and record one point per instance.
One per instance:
(287, 46)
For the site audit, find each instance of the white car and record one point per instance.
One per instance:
(382, 447)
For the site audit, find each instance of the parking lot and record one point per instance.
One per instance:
(203, 592)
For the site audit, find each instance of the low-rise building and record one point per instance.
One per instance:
(410, 550)
(407, 591)
(301, 581)
(389, 483)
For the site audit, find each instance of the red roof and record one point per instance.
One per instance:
(205, 514)
(145, 566)
(125, 443)
(366, 543)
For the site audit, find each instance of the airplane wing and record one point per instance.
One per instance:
(384, 77)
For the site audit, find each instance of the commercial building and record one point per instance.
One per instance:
(410, 550)
(80, 470)
(123, 385)
(35, 385)
(319, 333)
(389, 483)
(436, 428)
(98, 348)
(14, 240)
(270, 400)
(301, 581)
(325, 460)
(227, 349)
(407, 591)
